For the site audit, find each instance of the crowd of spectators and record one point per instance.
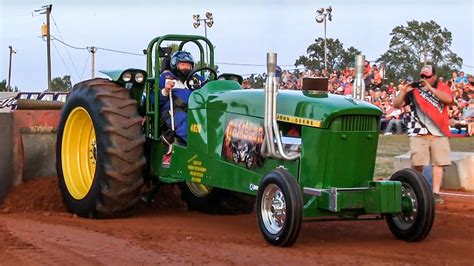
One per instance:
(381, 93)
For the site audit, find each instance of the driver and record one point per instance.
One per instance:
(174, 81)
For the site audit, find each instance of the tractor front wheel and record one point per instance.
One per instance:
(100, 150)
(418, 211)
(279, 208)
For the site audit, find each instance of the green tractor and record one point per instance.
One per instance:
(297, 154)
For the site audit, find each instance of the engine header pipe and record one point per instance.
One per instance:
(268, 148)
(272, 131)
(359, 83)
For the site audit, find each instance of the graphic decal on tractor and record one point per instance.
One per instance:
(196, 170)
(242, 143)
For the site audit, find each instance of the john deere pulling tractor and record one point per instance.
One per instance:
(303, 154)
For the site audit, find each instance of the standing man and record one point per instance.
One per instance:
(428, 126)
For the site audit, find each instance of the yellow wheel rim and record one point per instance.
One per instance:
(199, 190)
(78, 153)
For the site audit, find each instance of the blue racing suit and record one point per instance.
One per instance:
(180, 94)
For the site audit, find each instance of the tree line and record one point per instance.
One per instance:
(58, 84)
(410, 47)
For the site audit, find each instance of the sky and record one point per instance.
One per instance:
(243, 32)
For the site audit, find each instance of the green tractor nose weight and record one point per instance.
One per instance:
(285, 155)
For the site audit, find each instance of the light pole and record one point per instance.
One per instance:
(92, 50)
(12, 51)
(208, 22)
(322, 15)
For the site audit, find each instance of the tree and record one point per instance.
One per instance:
(337, 57)
(61, 84)
(348, 57)
(413, 45)
(3, 85)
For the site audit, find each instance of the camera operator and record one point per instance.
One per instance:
(428, 126)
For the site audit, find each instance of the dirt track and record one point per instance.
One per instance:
(36, 230)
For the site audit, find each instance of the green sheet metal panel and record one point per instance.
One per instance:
(352, 149)
(321, 107)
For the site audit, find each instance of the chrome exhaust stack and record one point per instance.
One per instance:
(359, 84)
(272, 132)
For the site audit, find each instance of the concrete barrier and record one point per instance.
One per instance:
(34, 141)
(28, 146)
(6, 150)
(459, 175)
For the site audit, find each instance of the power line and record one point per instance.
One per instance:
(57, 28)
(99, 48)
(68, 45)
(118, 51)
(85, 65)
(67, 51)
(69, 71)
(468, 66)
(136, 54)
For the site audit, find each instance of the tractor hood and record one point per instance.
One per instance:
(317, 109)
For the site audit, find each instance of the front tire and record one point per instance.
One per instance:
(279, 208)
(414, 223)
(99, 150)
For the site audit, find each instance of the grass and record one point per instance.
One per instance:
(391, 146)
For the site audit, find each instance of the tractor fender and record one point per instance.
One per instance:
(133, 84)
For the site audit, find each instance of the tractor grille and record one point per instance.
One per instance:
(356, 123)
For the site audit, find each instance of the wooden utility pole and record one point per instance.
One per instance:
(12, 51)
(48, 41)
(46, 33)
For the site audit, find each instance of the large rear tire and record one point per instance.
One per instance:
(414, 223)
(279, 208)
(213, 200)
(100, 150)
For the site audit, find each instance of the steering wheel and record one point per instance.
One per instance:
(194, 86)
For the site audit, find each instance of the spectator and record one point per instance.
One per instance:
(394, 118)
(299, 84)
(466, 89)
(390, 88)
(454, 76)
(377, 78)
(367, 73)
(348, 89)
(456, 118)
(428, 127)
(382, 72)
(246, 84)
(461, 78)
(469, 118)
(317, 74)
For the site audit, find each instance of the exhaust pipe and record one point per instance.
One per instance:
(272, 132)
(358, 91)
(268, 149)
